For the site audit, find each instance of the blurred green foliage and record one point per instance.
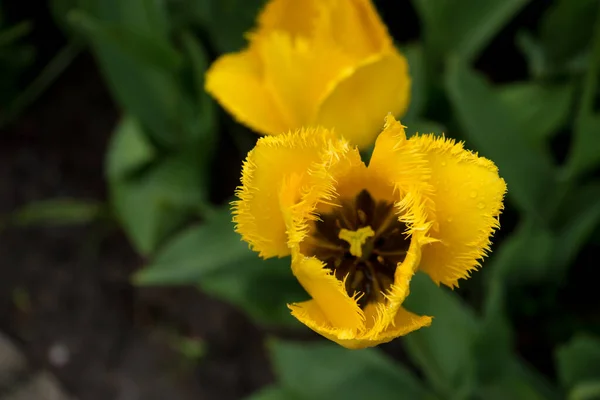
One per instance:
(164, 167)
(15, 56)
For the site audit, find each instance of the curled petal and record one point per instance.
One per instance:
(379, 85)
(403, 165)
(300, 73)
(417, 228)
(401, 287)
(283, 178)
(468, 195)
(311, 314)
(236, 82)
(329, 293)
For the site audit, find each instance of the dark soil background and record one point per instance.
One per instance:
(68, 288)
(65, 295)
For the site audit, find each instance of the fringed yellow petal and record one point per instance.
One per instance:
(310, 314)
(236, 82)
(316, 194)
(404, 322)
(354, 176)
(404, 166)
(468, 200)
(283, 178)
(417, 229)
(380, 85)
(329, 295)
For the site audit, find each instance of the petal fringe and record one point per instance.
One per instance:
(283, 178)
(468, 200)
(310, 314)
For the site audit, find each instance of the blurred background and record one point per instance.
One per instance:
(121, 276)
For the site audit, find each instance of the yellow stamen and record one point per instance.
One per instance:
(356, 239)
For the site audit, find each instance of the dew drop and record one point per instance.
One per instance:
(473, 194)
(480, 206)
(449, 219)
(443, 163)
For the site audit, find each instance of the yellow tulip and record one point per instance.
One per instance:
(327, 63)
(357, 234)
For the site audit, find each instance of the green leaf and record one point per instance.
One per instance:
(198, 251)
(500, 374)
(444, 350)
(464, 27)
(534, 253)
(461, 355)
(324, 371)
(273, 392)
(418, 89)
(144, 49)
(147, 17)
(227, 21)
(567, 28)
(578, 361)
(491, 128)
(213, 256)
(534, 53)
(60, 9)
(10, 35)
(203, 118)
(586, 391)
(585, 151)
(192, 349)
(151, 205)
(142, 77)
(540, 110)
(526, 256)
(262, 288)
(48, 75)
(140, 201)
(151, 198)
(511, 384)
(62, 211)
(581, 215)
(494, 338)
(129, 149)
(586, 144)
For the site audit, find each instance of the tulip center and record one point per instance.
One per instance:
(362, 242)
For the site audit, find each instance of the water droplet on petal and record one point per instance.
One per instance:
(473, 194)
(443, 163)
(480, 206)
(449, 219)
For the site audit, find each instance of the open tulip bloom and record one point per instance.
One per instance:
(327, 63)
(356, 233)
